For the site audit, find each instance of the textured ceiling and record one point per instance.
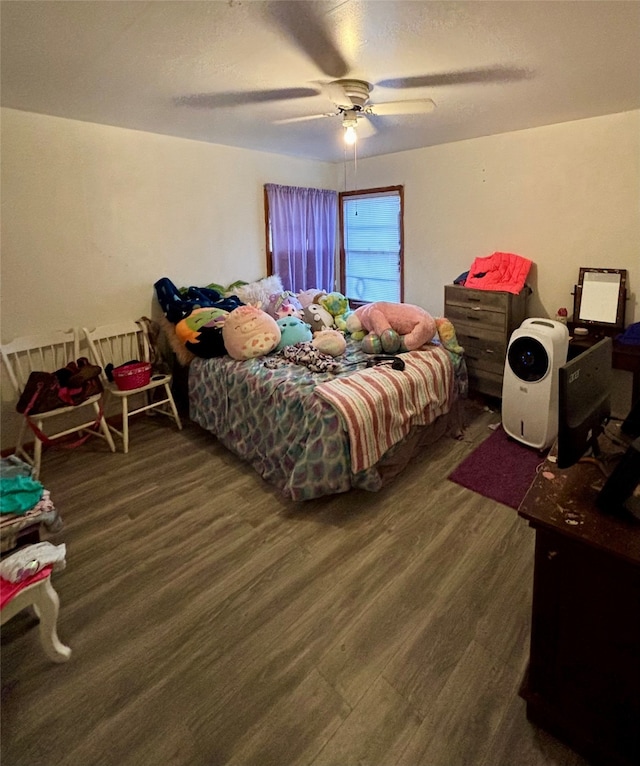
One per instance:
(226, 72)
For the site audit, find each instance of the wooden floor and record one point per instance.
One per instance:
(213, 622)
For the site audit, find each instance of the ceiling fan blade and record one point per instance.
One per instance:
(422, 106)
(304, 118)
(307, 29)
(336, 93)
(239, 98)
(495, 74)
(365, 128)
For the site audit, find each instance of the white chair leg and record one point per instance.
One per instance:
(47, 604)
(172, 404)
(37, 452)
(125, 424)
(20, 451)
(104, 428)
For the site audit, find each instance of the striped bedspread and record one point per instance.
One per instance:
(379, 405)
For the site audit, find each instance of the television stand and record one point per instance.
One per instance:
(583, 679)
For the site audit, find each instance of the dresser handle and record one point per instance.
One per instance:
(551, 555)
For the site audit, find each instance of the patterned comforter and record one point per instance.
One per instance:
(274, 419)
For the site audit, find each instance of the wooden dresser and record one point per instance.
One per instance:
(484, 321)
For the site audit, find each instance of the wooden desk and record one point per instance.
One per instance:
(583, 680)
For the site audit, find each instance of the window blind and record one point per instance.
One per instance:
(372, 247)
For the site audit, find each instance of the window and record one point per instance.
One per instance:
(371, 252)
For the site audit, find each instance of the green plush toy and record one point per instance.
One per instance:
(447, 335)
(338, 306)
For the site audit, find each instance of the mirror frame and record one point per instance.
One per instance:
(620, 310)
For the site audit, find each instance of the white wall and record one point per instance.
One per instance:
(93, 215)
(564, 196)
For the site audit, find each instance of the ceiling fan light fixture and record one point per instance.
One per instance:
(349, 119)
(350, 135)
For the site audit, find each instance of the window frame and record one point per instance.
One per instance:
(374, 192)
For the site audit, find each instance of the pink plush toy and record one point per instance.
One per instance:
(249, 332)
(392, 326)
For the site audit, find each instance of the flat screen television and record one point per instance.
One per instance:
(584, 406)
(584, 386)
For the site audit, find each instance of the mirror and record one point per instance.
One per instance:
(599, 299)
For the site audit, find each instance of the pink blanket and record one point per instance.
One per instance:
(10, 589)
(502, 271)
(378, 406)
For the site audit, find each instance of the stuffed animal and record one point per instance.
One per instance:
(201, 332)
(306, 297)
(284, 304)
(392, 327)
(292, 331)
(317, 317)
(338, 306)
(447, 335)
(249, 332)
(331, 342)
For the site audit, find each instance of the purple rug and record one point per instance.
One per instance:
(500, 468)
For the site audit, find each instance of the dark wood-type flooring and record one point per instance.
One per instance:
(213, 622)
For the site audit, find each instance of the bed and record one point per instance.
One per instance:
(312, 434)
(308, 429)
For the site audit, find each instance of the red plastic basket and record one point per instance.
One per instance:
(129, 376)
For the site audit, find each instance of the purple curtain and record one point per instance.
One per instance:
(303, 236)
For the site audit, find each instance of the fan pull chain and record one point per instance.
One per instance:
(344, 149)
(355, 165)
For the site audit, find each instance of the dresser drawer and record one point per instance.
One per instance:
(486, 353)
(455, 295)
(481, 338)
(479, 316)
(484, 382)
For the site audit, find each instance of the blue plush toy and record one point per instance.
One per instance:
(292, 331)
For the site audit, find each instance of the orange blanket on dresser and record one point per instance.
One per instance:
(379, 406)
(499, 271)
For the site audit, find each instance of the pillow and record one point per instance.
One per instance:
(259, 292)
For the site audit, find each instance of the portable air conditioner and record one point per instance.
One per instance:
(536, 350)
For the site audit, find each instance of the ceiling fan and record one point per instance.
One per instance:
(307, 27)
(351, 100)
